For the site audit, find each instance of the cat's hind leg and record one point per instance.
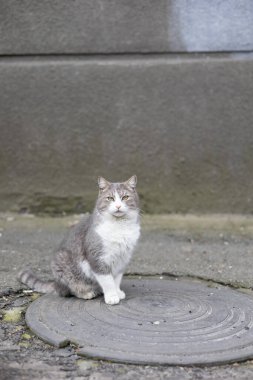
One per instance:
(85, 291)
(70, 279)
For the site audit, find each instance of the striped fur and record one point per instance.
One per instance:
(28, 278)
(93, 256)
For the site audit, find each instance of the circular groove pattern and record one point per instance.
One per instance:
(160, 322)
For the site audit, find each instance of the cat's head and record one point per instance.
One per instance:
(119, 200)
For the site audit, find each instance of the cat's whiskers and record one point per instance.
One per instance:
(93, 258)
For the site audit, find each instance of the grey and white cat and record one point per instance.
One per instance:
(93, 257)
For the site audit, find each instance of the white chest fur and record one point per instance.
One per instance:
(119, 239)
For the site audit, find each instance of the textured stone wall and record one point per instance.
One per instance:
(79, 99)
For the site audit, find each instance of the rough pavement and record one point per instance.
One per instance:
(216, 248)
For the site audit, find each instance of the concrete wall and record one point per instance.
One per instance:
(124, 26)
(77, 101)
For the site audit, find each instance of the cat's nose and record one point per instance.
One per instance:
(118, 206)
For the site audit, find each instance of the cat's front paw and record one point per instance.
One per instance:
(111, 299)
(121, 294)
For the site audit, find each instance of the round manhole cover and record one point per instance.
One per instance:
(160, 322)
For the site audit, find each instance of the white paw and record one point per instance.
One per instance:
(121, 294)
(89, 295)
(111, 299)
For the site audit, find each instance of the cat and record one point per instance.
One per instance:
(91, 260)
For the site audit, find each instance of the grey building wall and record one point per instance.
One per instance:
(125, 26)
(162, 89)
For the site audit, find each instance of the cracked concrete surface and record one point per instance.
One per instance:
(217, 248)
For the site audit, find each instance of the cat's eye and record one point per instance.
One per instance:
(125, 198)
(110, 198)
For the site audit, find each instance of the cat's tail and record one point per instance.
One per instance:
(28, 278)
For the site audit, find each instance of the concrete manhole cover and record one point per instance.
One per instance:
(160, 322)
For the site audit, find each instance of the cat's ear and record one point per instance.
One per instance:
(132, 182)
(103, 184)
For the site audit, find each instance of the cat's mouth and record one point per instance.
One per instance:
(118, 214)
